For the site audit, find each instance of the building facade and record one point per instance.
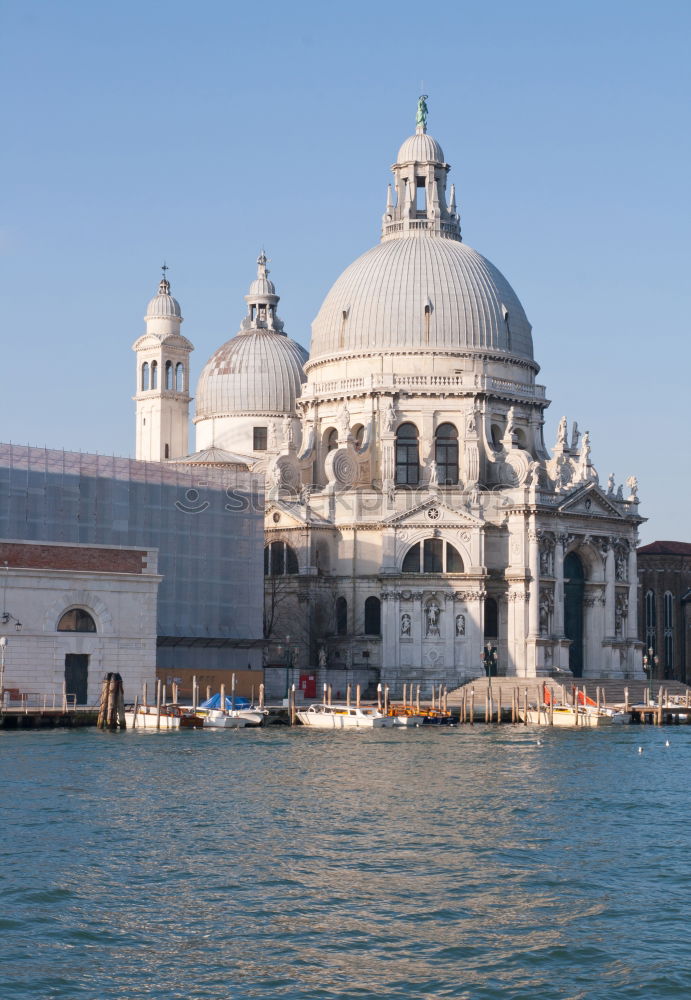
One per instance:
(416, 520)
(664, 606)
(72, 613)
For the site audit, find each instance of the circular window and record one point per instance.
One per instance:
(433, 513)
(277, 518)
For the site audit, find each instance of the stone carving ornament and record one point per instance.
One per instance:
(460, 625)
(340, 467)
(406, 625)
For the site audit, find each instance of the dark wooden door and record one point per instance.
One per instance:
(77, 675)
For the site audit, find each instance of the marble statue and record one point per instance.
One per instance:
(406, 625)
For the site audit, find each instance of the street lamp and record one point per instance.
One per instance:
(288, 656)
(650, 662)
(489, 660)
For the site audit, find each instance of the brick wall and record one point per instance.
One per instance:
(78, 557)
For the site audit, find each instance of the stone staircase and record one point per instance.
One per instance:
(613, 689)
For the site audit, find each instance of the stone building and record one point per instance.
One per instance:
(416, 519)
(72, 613)
(664, 606)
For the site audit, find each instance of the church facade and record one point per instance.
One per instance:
(417, 525)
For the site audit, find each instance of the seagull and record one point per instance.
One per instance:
(666, 743)
(539, 743)
(640, 749)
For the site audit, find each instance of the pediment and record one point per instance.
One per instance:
(590, 501)
(154, 342)
(280, 515)
(434, 512)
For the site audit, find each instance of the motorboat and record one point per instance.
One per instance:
(238, 713)
(584, 712)
(405, 716)
(215, 718)
(169, 717)
(566, 715)
(343, 716)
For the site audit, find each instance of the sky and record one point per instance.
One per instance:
(197, 133)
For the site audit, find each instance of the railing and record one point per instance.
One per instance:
(467, 380)
(34, 701)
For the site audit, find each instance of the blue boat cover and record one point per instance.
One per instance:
(215, 702)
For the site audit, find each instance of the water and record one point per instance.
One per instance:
(463, 863)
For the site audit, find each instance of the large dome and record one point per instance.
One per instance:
(421, 292)
(256, 372)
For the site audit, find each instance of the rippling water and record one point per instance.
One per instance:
(461, 862)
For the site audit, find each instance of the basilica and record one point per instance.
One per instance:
(417, 524)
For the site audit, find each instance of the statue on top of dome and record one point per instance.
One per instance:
(575, 437)
(421, 117)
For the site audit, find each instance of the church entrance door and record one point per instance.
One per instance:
(574, 587)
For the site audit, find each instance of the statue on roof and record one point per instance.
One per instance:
(421, 117)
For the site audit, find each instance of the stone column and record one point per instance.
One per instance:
(390, 628)
(416, 611)
(609, 590)
(632, 621)
(558, 621)
(534, 564)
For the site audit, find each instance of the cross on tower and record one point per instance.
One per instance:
(164, 269)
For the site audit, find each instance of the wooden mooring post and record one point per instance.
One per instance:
(111, 713)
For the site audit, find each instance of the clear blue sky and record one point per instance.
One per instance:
(198, 132)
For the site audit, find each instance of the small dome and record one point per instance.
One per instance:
(259, 371)
(421, 148)
(163, 305)
(261, 287)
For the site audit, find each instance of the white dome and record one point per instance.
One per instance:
(421, 293)
(420, 148)
(163, 305)
(257, 372)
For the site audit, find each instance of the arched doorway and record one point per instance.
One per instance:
(574, 587)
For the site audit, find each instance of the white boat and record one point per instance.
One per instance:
(233, 717)
(341, 716)
(565, 715)
(214, 718)
(171, 717)
(405, 717)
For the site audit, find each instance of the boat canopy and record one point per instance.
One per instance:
(215, 702)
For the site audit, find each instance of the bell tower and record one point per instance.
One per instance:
(162, 381)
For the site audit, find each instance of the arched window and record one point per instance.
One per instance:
(496, 437)
(433, 556)
(154, 374)
(650, 621)
(407, 456)
(491, 619)
(332, 440)
(145, 376)
(372, 616)
(359, 436)
(669, 633)
(446, 454)
(179, 377)
(280, 560)
(341, 616)
(76, 620)
(169, 374)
